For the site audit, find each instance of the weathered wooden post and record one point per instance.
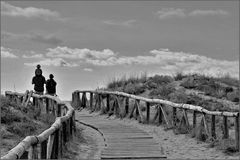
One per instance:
(174, 115)
(78, 101)
(213, 133)
(59, 110)
(137, 111)
(91, 101)
(60, 143)
(160, 115)
(50, 146)
(44, 150)
(237, 133)
(126, 106)
(99, 101)
(84, 99)
(194, 119)
(225, 127)
(107, 103)
(47, 105)
(148, 112)
(55, 152)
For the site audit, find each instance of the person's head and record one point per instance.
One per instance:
(38, 66)
(51, 76)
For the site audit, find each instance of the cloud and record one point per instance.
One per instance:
(165, 13)
(88, 69)
(172, 62)
(32, 55)
(7, 53)
(166, 60)
(82, 54)
(29, 12)
(36, 37)
(57, 62)
(127, 23)
(208, 12)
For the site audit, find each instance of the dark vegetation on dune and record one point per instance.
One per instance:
(18, 121)
(174, 88)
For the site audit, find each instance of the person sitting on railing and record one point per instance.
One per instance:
(51, 86)
(38, 70)
(38, 80)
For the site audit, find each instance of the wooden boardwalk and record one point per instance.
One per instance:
(122, 141)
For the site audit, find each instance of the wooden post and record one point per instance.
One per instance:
(35, 151)
(30, 152)
(44, 150)
(213, 133)
(148, 112)
(91, 101)
(237, 143)
(78, 101)
(60, 142)
(225, 126)
(64, 132)
(137, 109)
(50, 146)
(55, 150)
(59, 106)
(126, 106)
(159, 114)
(47, 105)
(39, 151)
(83, 100)
(99, 102)
(194, 119)
(174, 116)
(108, 103)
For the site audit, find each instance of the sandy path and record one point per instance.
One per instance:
(87, 144)
(177, 146)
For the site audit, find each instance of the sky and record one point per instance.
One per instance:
(87, 44)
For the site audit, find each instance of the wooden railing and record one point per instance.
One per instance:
(49, 144)
(112, 106)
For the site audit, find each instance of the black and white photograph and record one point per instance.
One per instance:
(126, 79)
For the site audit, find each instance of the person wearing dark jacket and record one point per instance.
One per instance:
(38, 80)
(51, 86)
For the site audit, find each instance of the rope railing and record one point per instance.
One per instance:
(49, 144)
(108, 102)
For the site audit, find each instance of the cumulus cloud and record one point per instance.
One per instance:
(166, 13)
(57, 62)
(170, 12)
(36, 37)
(82, 54)
(33, 55)
(208, 12)
(168, 61)
(28, 12)
(88, 69)
(7, 53)
(173, 62)
(127, 23)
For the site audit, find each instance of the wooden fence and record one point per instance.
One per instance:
(112, 106)
(49, 144)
